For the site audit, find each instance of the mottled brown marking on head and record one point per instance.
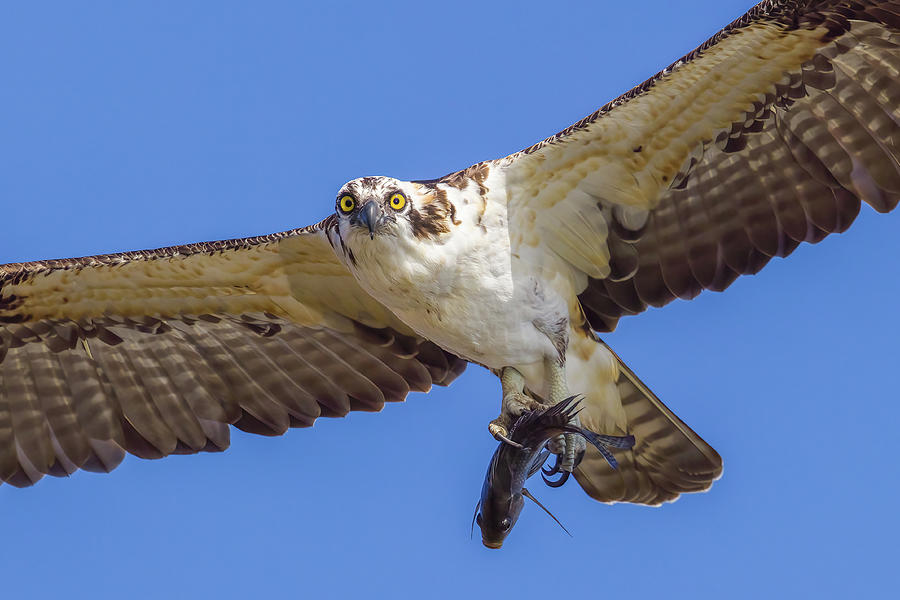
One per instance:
(369, 182)
(439, 196)
(457, 180)
(460, 179)
(433, 218)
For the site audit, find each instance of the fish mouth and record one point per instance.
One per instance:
(492, 545)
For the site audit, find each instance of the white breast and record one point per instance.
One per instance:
(465, 291)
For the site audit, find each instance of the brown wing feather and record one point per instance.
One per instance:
(157, 352)
(769, 134)
(794, 168)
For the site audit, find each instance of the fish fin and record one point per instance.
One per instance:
(528, 495)
(474, 516)
(616, 441)
(539, 461)
(533, 428)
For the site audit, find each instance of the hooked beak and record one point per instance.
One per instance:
(370, 216)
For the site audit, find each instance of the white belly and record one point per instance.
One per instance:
(491, 324)
(466, 295)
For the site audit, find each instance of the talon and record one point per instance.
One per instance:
(552, 470)
(499, 431)
(559, 482)
(506, 440)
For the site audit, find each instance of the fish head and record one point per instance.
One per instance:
(496, 518)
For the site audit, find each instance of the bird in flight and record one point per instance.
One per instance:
(770, 134)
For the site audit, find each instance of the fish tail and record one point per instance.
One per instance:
(604, 442)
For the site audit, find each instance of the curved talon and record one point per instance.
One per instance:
(499, 432)
(559, 482)
(506, 440)
(501, 437)
(552, 470)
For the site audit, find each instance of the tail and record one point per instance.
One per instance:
(667, 459)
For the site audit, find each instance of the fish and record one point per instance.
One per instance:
(515, 460)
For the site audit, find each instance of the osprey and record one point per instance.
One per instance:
(768, 135)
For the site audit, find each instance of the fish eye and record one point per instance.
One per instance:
(346, 203)
(397, 201)
(505, 524)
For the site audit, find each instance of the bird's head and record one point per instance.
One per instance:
(374, 206)
(371, 207)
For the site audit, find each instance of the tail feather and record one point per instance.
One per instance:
(667, 459)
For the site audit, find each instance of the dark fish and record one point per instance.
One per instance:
(503, 493)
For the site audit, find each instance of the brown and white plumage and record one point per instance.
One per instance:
(768, 135)
(263, 333)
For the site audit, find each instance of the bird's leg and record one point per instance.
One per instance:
(570, 447)
(513, 404)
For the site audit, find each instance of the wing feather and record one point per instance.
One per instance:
(769, 134)
(29, 427)
(67, 436)
(157, 352)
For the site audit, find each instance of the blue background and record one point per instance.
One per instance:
(134, 125)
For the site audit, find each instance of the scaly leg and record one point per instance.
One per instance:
(569, 446)
(513, 404)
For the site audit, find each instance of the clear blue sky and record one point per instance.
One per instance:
(135, 125)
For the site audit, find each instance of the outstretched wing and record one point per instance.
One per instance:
(157, 352)
(768, 135)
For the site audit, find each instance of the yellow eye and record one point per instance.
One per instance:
(347, 203)
(398, 201)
